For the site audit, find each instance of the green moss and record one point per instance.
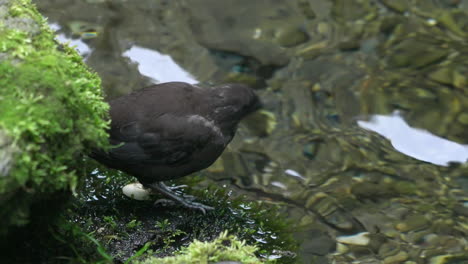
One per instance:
(51, 108)
(224, 248)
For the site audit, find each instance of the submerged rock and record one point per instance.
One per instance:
(360, 239)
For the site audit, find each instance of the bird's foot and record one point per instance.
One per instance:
(177, 187)
(181, 187)
(164, 202)
(186, 201)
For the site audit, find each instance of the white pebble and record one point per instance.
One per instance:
(360, 239)
(136, 191)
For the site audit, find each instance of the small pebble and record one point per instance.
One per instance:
(360, 239)
(398, 258)
(136, 191)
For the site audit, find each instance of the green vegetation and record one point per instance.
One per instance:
(51, 109)
(224, 248)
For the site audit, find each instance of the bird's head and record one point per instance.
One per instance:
(234, 102)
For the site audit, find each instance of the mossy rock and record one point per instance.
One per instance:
(137, 230)
(224, 249)
(51, 109)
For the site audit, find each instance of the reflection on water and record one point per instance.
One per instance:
(82, 48)
(318, 65)
(159, 67)
(417, 143)
(294, 174)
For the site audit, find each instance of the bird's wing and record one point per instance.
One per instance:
(167, 139)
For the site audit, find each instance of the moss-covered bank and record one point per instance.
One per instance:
(51, 108)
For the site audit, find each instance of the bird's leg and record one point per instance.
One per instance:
(180, 187)
(177, 187)
(169, 193)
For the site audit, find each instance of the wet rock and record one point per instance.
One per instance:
(320, 244)
(449, 76)
(331, 213)
(443, 226)
(459, 80)
(250, 37)
(449, 258)
(377, 240)
(442, 75)
(261, 123)
(389, 249)
(306, 9)
(463, 118)
(399, 6)
(7, 151)
(353, 43)
(348, 10)
(415, 236)
(414, 53)
(342, 248)
(388, 24)
(398, 258)
(289, 36)
(310, 149)
(412, 222)
(22, 23)
(445, 17)
(312, 50)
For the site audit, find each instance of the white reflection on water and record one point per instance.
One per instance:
(82, 48)
(417, 143)
(157, 66)
(294, 173)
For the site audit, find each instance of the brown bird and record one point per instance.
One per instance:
(171, 130)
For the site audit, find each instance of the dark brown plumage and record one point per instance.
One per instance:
(171, 130)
